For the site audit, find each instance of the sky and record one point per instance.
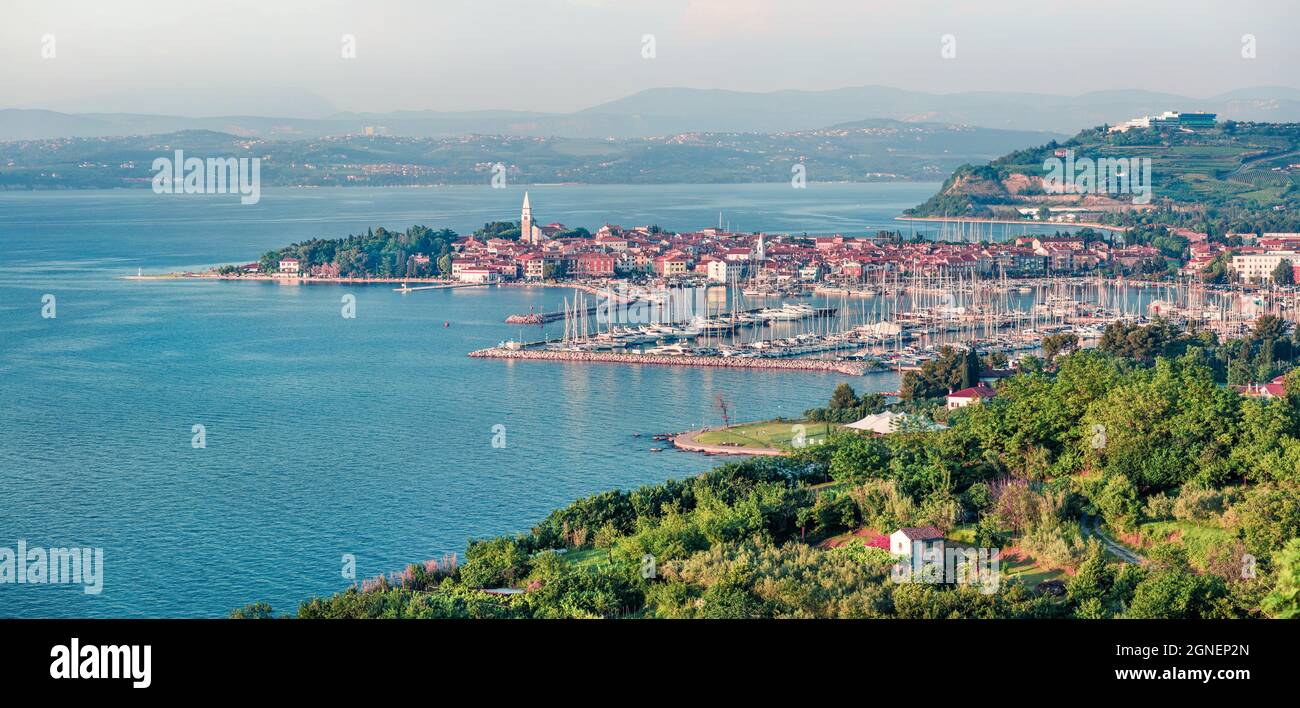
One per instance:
(286, 57)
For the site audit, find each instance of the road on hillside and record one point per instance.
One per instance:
(1088, 527)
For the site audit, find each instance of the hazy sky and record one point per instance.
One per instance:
(194, 57)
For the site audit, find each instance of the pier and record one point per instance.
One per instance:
(442, 286)
(850, 368)
(539, 318)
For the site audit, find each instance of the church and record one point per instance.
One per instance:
(528, 231)
(531, 233)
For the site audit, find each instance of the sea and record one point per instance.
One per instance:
(228, 442)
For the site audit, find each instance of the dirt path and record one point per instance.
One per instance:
(1088, 527)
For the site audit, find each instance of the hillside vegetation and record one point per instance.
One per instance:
(1235, 175)
(1202, 484)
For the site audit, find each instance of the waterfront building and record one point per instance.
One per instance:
(478, 274)
(1259, 267)
(595, 265)
(720, 271)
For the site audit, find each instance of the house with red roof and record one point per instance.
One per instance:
(1273, 389)
(925, 542)
(968, 396)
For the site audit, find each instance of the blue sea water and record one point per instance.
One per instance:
(325, 436)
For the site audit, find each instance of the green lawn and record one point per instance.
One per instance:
(586, 557)
(1198, 539)
(961, 535)
(1030, 574)
(1024, 570)
(766, 434)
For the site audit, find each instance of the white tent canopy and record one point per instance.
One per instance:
(890, 422)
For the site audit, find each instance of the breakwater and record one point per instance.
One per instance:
(851, 368)
(537, 318)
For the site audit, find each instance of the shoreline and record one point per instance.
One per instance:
(847, 368)
(686, 442)
(443, 282)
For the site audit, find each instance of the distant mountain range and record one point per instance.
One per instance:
(671, 111)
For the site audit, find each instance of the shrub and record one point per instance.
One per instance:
(1159, 507)
(1197, 504)
(494, 562)
(1119, 504)
(1268, 518)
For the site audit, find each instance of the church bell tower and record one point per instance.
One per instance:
(526, 222)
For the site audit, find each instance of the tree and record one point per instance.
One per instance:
(859, 458)
(1284, 601)
(724, 407)
(1269, 328)
(843, 397)
(1119, 503)
(444, 265)
(1094, 577)
(1219, 269)
(1269, 518)
(996, 360)
(494, 562)
(937, 376)
(253, 610)
(1055, 344)
(1173, 590)
(970, 373)
(498, 229)
(1283, 274)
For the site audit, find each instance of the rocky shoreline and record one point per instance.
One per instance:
(850, 368)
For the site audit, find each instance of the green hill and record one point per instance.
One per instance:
(1241, 172)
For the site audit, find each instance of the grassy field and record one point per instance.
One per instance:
(1023, 570)
(586, 557)
(1199, 540)
(766, 434)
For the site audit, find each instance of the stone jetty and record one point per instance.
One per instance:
(851, 368)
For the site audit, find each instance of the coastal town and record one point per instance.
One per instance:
(786, 262)
(830, 303)
(776, 261)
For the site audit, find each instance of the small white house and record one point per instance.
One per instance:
(969, 396)
(290, 266)
(926, 539)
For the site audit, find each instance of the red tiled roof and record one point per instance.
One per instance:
(974, 392)
(921, 533)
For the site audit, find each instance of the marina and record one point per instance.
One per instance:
(894, 321)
